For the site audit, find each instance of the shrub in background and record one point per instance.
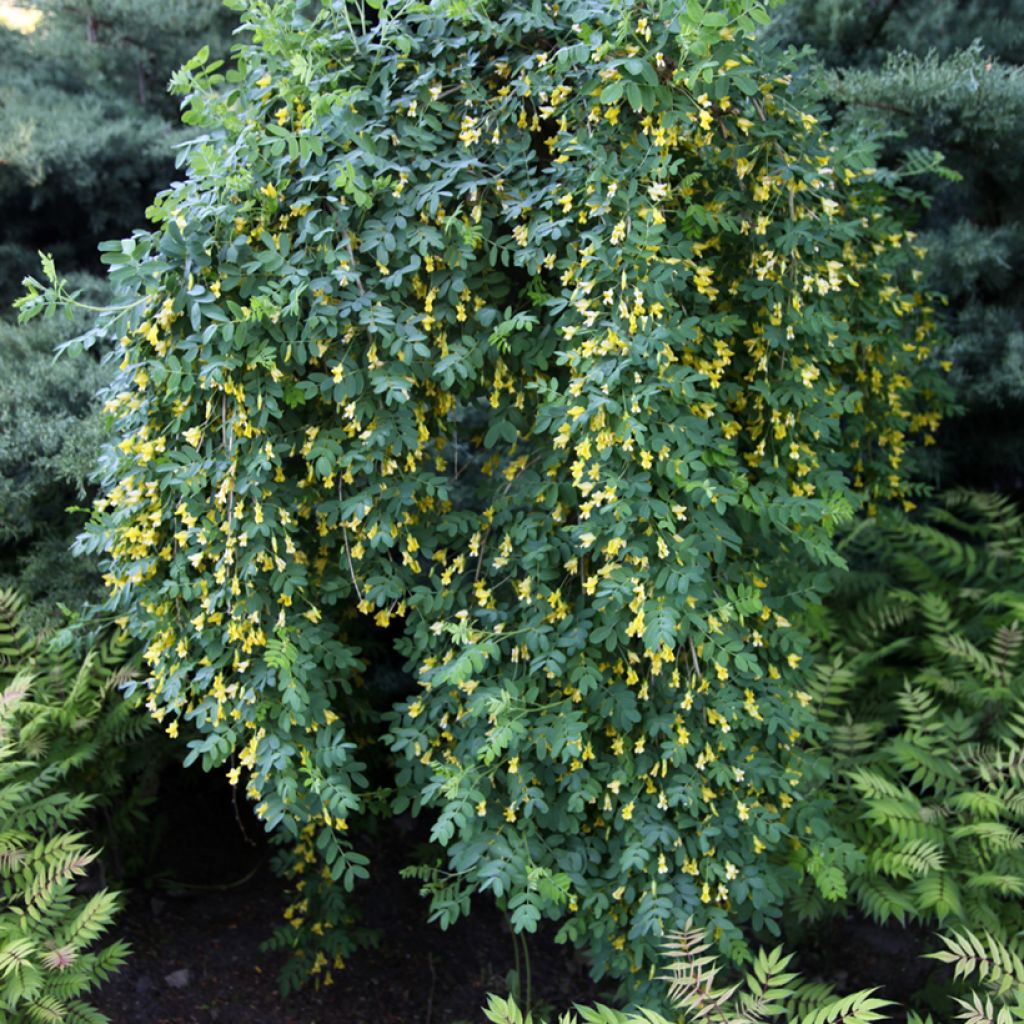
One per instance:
(551, 341)
(947, 75)
(86, 126)
(923, 692)
(87, 132)
(51, 426)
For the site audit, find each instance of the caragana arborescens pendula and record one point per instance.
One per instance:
(552, 339)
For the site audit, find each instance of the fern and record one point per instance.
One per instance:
(991, 961)
(921, 691)
(58, 725)
(702, 990)
(692, 975)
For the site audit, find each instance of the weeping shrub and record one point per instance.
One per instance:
(551, 342)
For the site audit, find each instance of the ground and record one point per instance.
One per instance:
(196, 922)
(207, 900)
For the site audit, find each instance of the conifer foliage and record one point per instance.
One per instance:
(86, 126)
(87, 135)
(553, 340)
(947, 75)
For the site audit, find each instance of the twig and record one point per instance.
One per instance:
(348, 552)
(351, 568)
(696, 663)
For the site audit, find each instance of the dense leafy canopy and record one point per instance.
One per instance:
(553, 341)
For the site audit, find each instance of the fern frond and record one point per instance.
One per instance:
(692, 974)
(992, 514)
(850, 739)
(1004, 885)
(856, 1008)
(938, 893)
(978, 803)
(995, 836)
(14, 641)
(872, 784)
(46, 1010)
(882, 901)
(16, 955)
(769, 986)
(915, 859)
(54, 861)
(979, 1010)
(924, 769)
(808, 996)
(1007, 646)
(55, 721)
(961, 649)
(830, 687)
(90, 922)
(983, 956)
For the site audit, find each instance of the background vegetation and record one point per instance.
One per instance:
(946, 75)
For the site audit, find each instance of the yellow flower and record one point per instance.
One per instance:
(469, 131)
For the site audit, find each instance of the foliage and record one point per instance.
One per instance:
(320, 931)
(131, 47)
(86, 126)
(923, 687)
(103, 741)
(946, 75)
(86, 136)
(56, 722)
(552, 342)
(50, 431)
(769, 990)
